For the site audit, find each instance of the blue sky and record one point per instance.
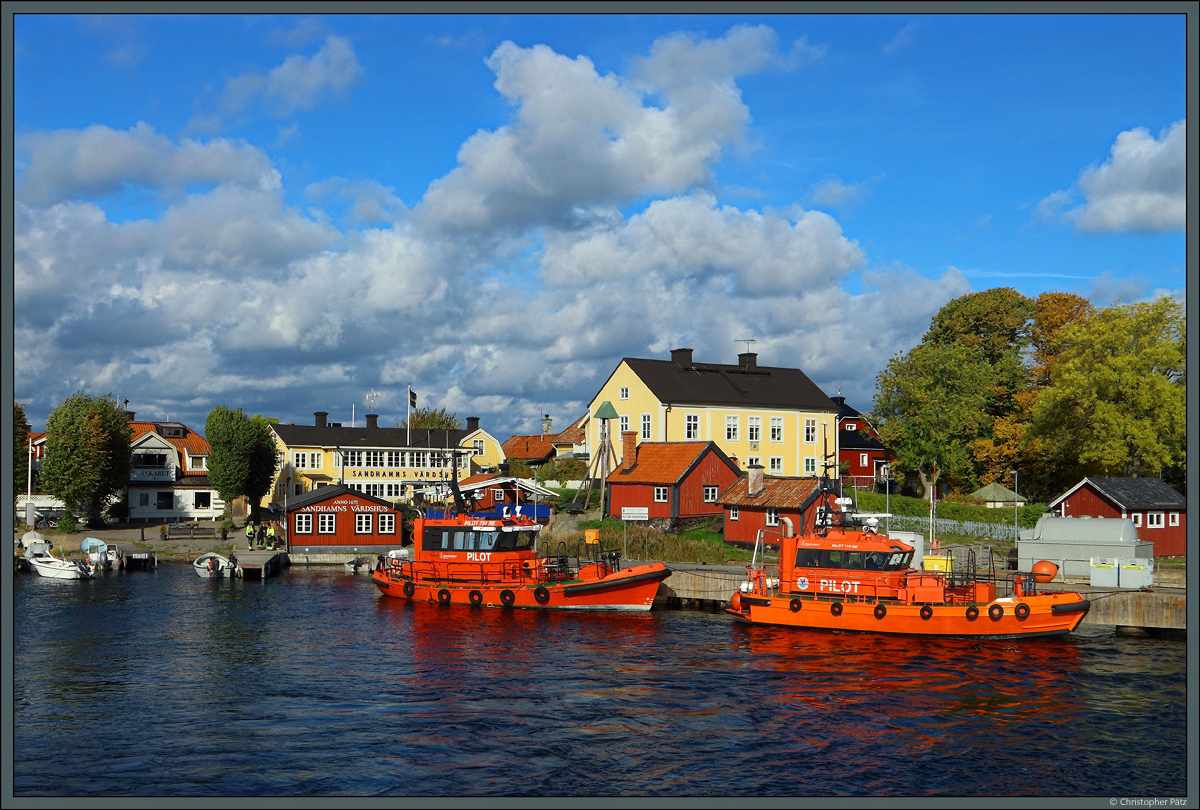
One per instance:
(285, 213)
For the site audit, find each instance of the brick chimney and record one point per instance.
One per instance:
(320, 417)
(372, 420)
(682, 358)
(754, 481)
(748, 361)
(628, 449)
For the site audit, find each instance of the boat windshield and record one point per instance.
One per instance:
(856, 560)
(464, 538)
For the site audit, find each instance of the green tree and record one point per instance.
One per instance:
(87, 459)
(929, 406)
(1115, 404)
(20, 451)
(242, 455)
(430, 419)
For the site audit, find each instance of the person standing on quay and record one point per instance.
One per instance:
(249, 535)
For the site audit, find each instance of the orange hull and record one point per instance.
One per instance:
(1043, 614)
(629, 589)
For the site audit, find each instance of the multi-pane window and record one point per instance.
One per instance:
(392, 491)
(624, 420)
(1137, 519)
(776, 428)
(710, 494)
(660, 494)
(326, 524)
(362, 523)
(1154, 520)
(298, 489)
(733, 513)
(300, 460)
(417, 459)
(772, 516)
(303, 523)
(731, 428)
(752, 461)
(691, 426)
(810, 465)
(316, 461)
(754, 428)
(374, 490)
(395, 458)
(497, 496)
(624, 393)
(776, 464)
(387, 524)
(351, 458)
(645, 426)
(849, 426)
(373, 458)
(810, 431)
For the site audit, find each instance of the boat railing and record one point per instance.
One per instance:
(522, 572)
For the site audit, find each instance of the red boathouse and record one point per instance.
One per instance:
(337, 519)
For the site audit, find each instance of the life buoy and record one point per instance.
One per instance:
(880, 611)
(1021, 611)
(972, 613)
(836, 608)
(926, 612)
(409, 589)
(444, 596)
(794, 606)
(995, 612)
(507, 597)
(541, 594)
(476, 598)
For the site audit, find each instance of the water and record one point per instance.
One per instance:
(312, 684)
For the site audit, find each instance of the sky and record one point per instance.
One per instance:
(288, 214)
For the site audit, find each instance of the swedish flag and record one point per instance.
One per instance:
(412, 398)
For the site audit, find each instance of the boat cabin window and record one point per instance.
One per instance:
(439, 538)
(856, 560)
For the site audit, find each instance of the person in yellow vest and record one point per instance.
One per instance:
(271, 534)
(249, 535)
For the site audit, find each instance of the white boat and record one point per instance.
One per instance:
(34, 545)
(100, 554)
(211, 565)
(55, 568)
(360, 565)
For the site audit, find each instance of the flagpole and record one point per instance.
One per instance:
(408, 419)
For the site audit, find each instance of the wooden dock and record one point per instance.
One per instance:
(260, 564)
(708, 587)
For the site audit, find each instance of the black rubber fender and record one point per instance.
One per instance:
(507, 597)
(996, 612)
(926, 612)
(880, 611)
(972, 613)
(836, 608)
(475, 598)
(794, 606)
(409, 590)
(541, 594)
(1021, 611)
(444, 596)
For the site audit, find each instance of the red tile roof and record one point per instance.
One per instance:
(192, 442)
(660, 462)
(533, 447)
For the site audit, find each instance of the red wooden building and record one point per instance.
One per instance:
(862, 459)
(1158, 512)
(775, 505)
(338, 519)
(678, 483)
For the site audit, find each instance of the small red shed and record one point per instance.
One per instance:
(678, 483)
(338, 519)
(1158, 512)
(775, 505)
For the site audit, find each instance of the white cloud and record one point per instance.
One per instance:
(298, 83)
(904, 37)
(1141, 187)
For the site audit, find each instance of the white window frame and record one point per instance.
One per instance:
(849, 426)
(862, 459)
(772, 516)
(1136, 517)
(810, 465)
(300, 461)
(733, 513)
(624, 422)
(363, 524)
(810, 431)
(709, 494)
(303, 521)
(326, 523)
(752, 460)
(1155, 520)
(498, 495)
(660, 494)
(754, 428)
(1172, 518)
(776, 429)
(623, 392)
(775, 465)
(351, 458)
(387, 523)
(691, 429)
(731, 427)
(645, 426)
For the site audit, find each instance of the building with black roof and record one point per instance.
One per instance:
(1158, 511)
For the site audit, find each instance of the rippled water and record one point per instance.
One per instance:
(312, 684)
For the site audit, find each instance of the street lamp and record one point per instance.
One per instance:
(1016, 507)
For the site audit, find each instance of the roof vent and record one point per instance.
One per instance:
(682, 358)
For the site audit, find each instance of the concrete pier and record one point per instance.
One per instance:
(261, 564)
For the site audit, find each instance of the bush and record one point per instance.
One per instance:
(66, 522)
(566, 469)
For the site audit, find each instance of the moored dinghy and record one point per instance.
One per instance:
(211, 565)
(58, 568)
(103, 556)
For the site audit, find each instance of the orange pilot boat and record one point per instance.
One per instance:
(845, 577)
(493, 562)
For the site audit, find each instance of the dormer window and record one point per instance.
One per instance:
(199, 462)
(849, 426)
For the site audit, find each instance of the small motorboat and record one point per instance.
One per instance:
(360, 565)
(34, 545)
(211, 565)
(836, 575)
(58, 568)
(460, 559)
(100, 554)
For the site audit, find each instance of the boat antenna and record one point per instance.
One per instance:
(460, 508)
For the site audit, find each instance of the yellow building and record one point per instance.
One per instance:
(774, 417)
(387, 463)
